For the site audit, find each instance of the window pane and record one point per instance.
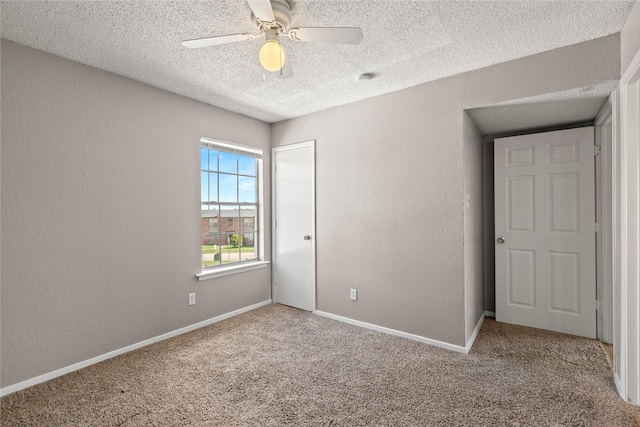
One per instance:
(213, 187)
(228, 162)
(210, 222)
(228, 223)
(248, 225)
(249, 240)
(204, 187)
(204, 158)
(247, 165)
(228, 188)
(230, 248)
(213, 160)
(248, 218)
(211, 250)
(247, 187)
(249, 249)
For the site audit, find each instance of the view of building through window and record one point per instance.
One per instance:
(229, 201)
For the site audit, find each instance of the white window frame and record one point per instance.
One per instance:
(259, 262)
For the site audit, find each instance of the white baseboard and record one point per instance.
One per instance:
(436, 343)
(475, 332)
(62, 371)
(490, 314)
(618, 383)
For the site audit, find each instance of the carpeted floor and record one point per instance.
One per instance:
(278, 366)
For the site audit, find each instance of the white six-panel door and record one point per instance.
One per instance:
(294, 225)
(545, 231)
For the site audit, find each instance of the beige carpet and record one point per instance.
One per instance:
(278, 366)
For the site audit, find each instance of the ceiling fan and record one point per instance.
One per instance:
(273, 18)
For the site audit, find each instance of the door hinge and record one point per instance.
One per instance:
(598, 305)
(598, 227)
(596, 150)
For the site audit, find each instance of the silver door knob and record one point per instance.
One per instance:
(307, 237)
(500, 239)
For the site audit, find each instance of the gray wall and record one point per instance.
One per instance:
(473, 226)
(101, 215)
(390, 189)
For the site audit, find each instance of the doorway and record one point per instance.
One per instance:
(294, 254)
(545, 231)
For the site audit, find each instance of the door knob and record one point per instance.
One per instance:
(500, 239)
(307, 237)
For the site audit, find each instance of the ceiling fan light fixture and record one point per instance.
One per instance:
(273, 19)
(272, 55)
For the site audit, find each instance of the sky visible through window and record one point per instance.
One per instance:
(237, 175)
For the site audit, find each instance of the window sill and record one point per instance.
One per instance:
(226, 271)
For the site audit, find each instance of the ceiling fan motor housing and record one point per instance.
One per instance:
(282, 13)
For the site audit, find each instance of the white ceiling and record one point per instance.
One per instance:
(574, 106)
(405, 43)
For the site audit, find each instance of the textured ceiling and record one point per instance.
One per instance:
(572, 106)
(405, 43)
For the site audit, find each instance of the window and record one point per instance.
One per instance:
(213, 226)
(228, 203)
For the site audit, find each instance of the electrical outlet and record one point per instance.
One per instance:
(354, 294)
(192, 299)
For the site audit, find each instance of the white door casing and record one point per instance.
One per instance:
(604, 250)
(545, 212)
(294, 225)
(626, 247)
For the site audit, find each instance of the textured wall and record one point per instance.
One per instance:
(473, 233)
(630, 37)
(384, 206)
(101, 214)
(398, 159)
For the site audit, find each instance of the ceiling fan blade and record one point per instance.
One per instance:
(212, 41)
(262, 10)
(286, 71)
(343, 35)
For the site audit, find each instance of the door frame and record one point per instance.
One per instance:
(603, 188)
(626, 210)
(274, 214)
